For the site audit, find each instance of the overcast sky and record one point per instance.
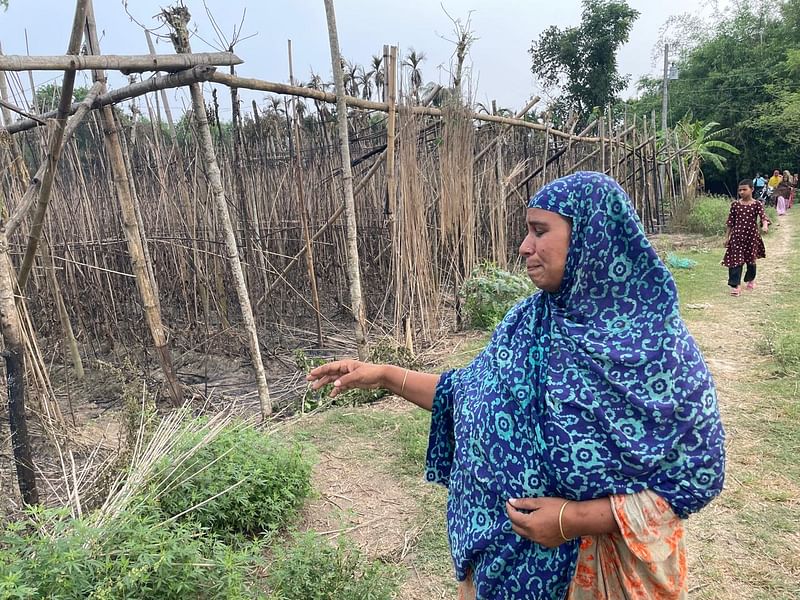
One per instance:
(499, 58)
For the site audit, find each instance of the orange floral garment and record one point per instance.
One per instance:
(645, 560)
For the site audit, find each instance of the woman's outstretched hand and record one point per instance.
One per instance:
(414, 386)
(347, 375)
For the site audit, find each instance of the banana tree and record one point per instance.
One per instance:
(702, 143)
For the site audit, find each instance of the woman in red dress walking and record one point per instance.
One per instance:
(743, 240)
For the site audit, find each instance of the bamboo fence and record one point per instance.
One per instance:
(452, 211)
(278, 230)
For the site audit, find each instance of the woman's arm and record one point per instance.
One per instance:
(543, 519)
(418, 388)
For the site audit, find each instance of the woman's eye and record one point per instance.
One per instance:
(538, 232)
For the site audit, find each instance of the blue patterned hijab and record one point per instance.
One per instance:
(595, 390)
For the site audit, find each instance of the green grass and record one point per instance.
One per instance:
(694, 284)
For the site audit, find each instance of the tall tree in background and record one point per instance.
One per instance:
(741, 73)
(582, 60)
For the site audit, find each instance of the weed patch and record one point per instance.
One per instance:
(490, 292)
(310, 567)
(242, 483)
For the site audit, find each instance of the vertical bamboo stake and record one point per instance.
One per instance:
(178, 19)
(14, 355)
(390, 81)
(63, 316)
(301, 199)
(394, 225)
(148, 261)
(353, 264)
(131, 226)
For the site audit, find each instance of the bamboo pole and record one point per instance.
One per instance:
(301, 199)
(14, 355)
(125, 64)
(390, 79)
(128, 92)
(55, 148)
(178, 19)
(353, 263)
(130, 224)
(282, 88)
(66, 325)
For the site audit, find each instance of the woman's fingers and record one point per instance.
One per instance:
(524, 503)
(339, 367)
(323, 381)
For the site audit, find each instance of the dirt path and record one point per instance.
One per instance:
(730, 555)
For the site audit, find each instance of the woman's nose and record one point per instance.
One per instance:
(527, 247)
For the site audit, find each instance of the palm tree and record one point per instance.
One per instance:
(378, 75)
(364, 77)
(413, 61)
(701, 142)
(350, 71)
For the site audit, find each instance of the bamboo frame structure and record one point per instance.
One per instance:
(124, 64)
(209, 227)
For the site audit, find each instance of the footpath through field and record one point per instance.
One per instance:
(745, 545)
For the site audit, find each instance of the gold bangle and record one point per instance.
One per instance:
(560, 522)
(403, 387)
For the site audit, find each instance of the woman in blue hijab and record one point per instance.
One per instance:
(575, 443)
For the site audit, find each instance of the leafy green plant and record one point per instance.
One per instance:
(53, 556)
(312, 568)
(490, 292)
(244, 482)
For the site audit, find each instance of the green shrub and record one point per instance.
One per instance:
(312, 568)
(131, 557)
(708, 215)
(244, 482)
(490, 292)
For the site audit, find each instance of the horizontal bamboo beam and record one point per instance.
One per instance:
(125, 64)
(293, 90)
(153, 84)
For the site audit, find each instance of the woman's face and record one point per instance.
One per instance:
(545, 248)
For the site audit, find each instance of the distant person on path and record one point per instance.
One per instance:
(775, 179)
(788, 181)
(784, 194)
(743, 241)
(580, 438)
(758, 184)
